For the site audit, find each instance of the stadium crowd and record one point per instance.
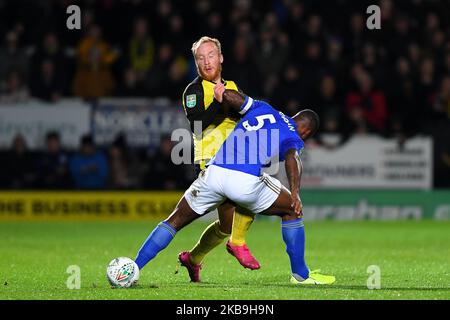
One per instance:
(394, 82)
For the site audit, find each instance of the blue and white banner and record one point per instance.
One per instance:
(142, 121)
(33, 119)
(370, 162)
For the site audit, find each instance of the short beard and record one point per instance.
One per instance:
(211, 78)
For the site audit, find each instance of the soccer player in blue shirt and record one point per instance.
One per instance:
(263, 135)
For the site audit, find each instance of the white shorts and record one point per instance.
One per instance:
(215, 184)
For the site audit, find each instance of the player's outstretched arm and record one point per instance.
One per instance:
(230, 99)
(293, 171)
(233, 99)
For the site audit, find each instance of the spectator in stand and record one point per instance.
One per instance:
(130, 86)
(372, 62)
(326, 97)
(270, 53)
(19, 170)
(241, 67)
(12, 57)
(240, 11)
(367, 104)
(401, 38)
(291, 87)
(414, 57)
(157, 83)
(164, 9)
(93, 78)
(327, 102)
(447, 61)
(50, 52)
(403, 102)
(427, 80)
(126, 170)
(441, 100)
(141, 50)
(313, 31)
(15, 90)
(312, 65)
(441, 153)
(47, 85)
(52, 165)
(335, 62)
(170, 176)
(89, 167)
(177, 77)
(356, 36)
(215, 26)
(177, 34)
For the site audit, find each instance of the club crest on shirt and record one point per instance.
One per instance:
(191, 100)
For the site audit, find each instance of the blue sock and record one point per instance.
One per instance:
(156, 241)
(294, 237)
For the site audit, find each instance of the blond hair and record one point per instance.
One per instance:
(203, 40)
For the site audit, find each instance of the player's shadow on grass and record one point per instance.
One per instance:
(313, 287)
(139, 286)
(354, 287)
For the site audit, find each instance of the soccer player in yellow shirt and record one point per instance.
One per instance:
(210, 126)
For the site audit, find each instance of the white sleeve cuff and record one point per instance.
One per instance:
(247, 104)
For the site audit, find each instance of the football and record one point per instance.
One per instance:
(122, 272)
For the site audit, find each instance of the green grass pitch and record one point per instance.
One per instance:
(413, 256)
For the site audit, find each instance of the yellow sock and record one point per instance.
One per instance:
(210, 238)
(241, 224)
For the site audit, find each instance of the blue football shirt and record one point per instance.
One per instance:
(261, 136)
